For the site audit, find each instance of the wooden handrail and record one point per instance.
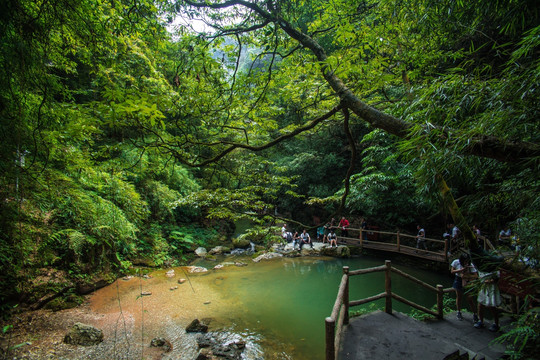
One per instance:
(367, 271)
(340, 312)
(412, 278)
(392, 233)
(398, 243)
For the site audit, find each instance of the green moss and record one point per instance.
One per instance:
(66, 302)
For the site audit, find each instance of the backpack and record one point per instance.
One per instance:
(289, 236)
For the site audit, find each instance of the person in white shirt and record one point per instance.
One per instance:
(489, 297)
(464, 272)
(284, 231)
(332, 238)
(305, 239)
(421, 238)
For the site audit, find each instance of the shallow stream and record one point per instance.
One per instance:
(277, 306)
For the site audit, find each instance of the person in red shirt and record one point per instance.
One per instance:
(344, 225)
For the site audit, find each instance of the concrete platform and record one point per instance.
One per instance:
(382, 336)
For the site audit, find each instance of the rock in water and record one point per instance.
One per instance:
(201, 252)
(82, 334)
(161, 342)
(267, 256)
(197, 326)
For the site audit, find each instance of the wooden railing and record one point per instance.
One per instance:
(396, 242)
(340, 312)
(487, 244)
(406, 243)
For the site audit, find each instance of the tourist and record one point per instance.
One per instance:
(284, 231)
(320, 234)
(490, 297)
(455, 232)
(305, 239)
(296, 240)
(363, 227)
(447, 240)
(327, 228)
(454, 242)
(289, 237)
(344, 225)
(332, 237)
(505, 235)
(476, 231)
(464, 271)
(421, 238)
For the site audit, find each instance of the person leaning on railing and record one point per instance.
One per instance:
(464, 272)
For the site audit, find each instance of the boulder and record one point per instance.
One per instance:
(219, 347)
(162, 343)
(84, 288)
(343, 251)
(267, 256)
(196, 269)
(241, 242)
(308, 250)
(82, 334)
(201, 252)
(218, 250)
(340, 251)
(197, 326)
(206, 354)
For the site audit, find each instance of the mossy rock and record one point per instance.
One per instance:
(85, 335)
(68, 302)
(241, 242)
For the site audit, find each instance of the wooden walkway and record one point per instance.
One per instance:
(397, 243)
(396, 336)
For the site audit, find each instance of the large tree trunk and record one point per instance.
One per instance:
(450, 203)
(482, 145)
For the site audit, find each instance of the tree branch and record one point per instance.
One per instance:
(233, 146)
(483, 146)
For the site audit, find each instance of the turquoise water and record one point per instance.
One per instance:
(287, 300)
(277, 305)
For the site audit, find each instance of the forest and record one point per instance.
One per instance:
(133, 132)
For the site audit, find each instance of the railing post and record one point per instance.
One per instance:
(388, 287)
(397, 241)
(440, 305)
(361, 238)
(346, 296)
(330, 326)
(446, 242)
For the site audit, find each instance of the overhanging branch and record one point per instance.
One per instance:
(233, 145)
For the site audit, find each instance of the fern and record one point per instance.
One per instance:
(523, 340)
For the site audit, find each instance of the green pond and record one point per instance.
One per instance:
(277, 306)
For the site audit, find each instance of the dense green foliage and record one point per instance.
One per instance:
(125, 139)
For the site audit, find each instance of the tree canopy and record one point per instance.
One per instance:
(128, 132)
